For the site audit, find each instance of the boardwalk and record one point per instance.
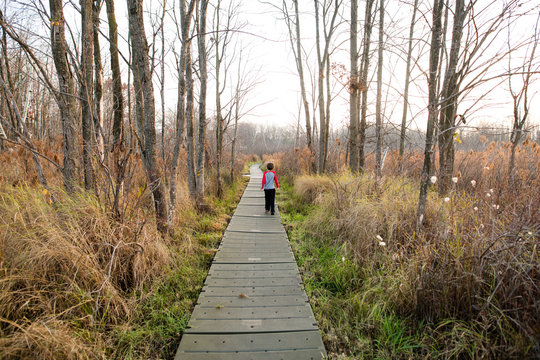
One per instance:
(252, 305)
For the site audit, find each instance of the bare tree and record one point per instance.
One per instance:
(434, 53)
(293, 27)
(328, 17)
(65, 96)
(118, 99)
(378, 111)
(520, 96)
(353, 90)
(221, 42)
(449, 99)
(182, 114)
(86, 92)
(145, 110)
(203, 74)
(368, 27)
(407, 83)
(98, 83)
(466, 70)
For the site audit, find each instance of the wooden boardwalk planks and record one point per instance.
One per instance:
(252, 305)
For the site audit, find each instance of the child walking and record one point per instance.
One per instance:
(268, 179)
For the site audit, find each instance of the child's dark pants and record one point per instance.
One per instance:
(269, 199)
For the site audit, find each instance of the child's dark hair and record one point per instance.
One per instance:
(269, 166)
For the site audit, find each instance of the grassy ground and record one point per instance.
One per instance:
(380, 291)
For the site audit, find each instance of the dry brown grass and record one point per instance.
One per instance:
(474, 275)
(67, 263)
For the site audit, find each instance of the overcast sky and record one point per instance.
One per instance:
(267, 53)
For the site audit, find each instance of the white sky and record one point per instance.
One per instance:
(265, 38)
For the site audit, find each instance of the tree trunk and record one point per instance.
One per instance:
(235, 133)
(98, 83)
(368, 27)
(189, 127)
(162, 89)
(219, 116)
(378, 110)
(66, 96)
(300, 68)
(449, 97)
(144, 87)
(185, 18)
(353, 90)
(118, 98)
(406, 90)
(432, 109)
(86, 93)
(201, 41)
(320, 88)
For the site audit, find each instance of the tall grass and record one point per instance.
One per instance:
(77, 282)
(466, 288)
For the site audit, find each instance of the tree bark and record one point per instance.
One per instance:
(353, 90)
(189, 127)
(432, 109)
(378, 105)
(118, 98)
(144, 87)
(185, 18)
(86, 93)
(162, 88)
(66, 98)
(368, 27)
(219, 115)
(300, 68)
(201, 41)
(320, 88)
(449, 97)
(98, 83)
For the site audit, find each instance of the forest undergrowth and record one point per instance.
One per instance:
(77, 282)
(465, 288)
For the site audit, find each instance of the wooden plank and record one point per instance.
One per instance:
(264, 281)
(227, 326)
(251, 291)
(295, 354)
(255, 259)
(251, 342)
(235, 301)
(273, 312)
(242, 274)
(254, 267)
(253, 236)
